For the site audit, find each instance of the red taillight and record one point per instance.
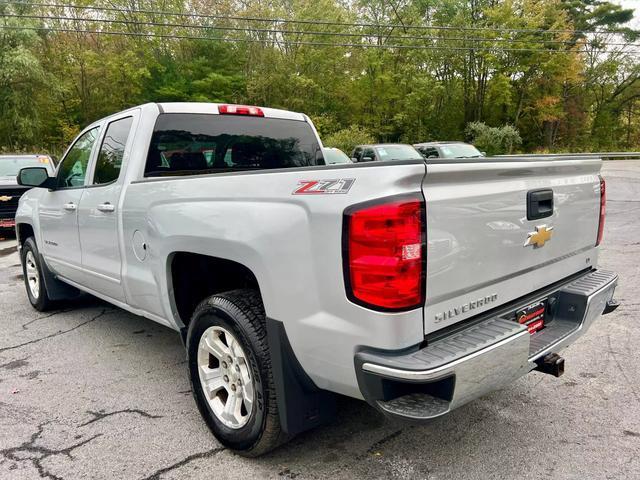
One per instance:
(603, 209)
(384, 250)
(240, 110)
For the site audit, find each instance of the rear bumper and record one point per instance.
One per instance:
(483, 356)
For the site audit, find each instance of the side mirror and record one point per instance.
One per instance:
(484, 154)
(367, 159)
(34, 177)
(354, 159)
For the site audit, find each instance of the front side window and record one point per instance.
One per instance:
(111, 151)
(188, 144)
(73, 168)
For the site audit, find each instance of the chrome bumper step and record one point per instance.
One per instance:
(485, 356)
(459, 345)
(416, 406)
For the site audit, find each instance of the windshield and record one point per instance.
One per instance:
(398, 152)
(334, 155)
(191, 144)
(459, 150)
(10, 166)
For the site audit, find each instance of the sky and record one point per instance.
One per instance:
(635, 4)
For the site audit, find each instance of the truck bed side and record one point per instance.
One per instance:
(291, 243)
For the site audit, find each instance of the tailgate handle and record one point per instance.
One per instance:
(539, 204)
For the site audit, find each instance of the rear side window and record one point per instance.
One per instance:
(190, 144)
(111, 151)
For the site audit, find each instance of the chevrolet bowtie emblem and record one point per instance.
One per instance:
(5, 198)
(541, 236)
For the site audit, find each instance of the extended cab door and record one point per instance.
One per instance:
(98, 212)
(58, 209)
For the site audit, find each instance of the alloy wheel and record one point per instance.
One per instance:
(225, 377)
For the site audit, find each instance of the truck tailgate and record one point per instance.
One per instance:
(477, 228)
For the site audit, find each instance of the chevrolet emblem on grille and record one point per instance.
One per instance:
(5, 198)
(541, 236)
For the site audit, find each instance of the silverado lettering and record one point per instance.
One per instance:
(466, 307)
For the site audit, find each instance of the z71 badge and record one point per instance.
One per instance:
(318, 187)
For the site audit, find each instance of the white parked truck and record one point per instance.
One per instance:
(416, 286)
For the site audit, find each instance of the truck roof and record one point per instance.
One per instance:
(204, 108)
(212, 108)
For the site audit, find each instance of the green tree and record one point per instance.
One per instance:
(493, 140)
(347, 138)
(526, 63)
(22, 79)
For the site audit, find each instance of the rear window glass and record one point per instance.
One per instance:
(189, 144)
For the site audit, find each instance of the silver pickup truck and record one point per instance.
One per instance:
(414, 286)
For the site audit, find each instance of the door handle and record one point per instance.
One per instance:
(106, 207)
(70, 206)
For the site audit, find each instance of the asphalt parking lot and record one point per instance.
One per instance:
(90, 391)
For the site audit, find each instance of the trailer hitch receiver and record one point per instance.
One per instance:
(552, 364)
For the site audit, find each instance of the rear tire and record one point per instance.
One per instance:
(230, 372)
(33, 278)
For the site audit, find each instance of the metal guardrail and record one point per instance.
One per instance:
(602, 155)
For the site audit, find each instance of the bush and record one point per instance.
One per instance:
(325, 124)
(347, 138)
(493, 140)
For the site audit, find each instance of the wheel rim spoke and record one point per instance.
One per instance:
(232, 409)
(212, 381)
(215, 347)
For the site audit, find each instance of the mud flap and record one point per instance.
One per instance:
(302, 405)
(56, 290)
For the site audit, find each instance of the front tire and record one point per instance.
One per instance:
(230, 372)
(33, 278)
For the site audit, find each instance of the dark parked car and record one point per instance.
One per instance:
(448, 150)
(384, 151)
(10, 191)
